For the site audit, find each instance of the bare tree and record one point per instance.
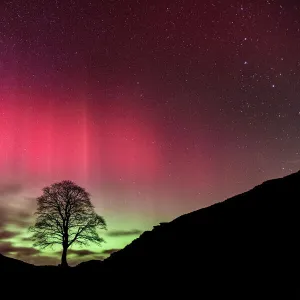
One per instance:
(66, 216)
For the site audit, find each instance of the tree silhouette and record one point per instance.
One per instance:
(66, 216)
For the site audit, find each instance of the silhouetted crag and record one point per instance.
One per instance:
(14, 265)
(91, 265)
(249, 242)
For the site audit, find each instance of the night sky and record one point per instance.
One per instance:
(157, 108)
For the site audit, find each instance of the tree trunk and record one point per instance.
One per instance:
(64, 257)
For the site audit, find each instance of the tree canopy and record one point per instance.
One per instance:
(66, 216)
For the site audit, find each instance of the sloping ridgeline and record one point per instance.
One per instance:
(250, 241)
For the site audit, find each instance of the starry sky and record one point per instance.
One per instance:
(157, 108)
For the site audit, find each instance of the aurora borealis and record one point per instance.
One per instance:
(157, 108)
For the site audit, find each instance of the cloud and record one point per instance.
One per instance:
(3, 216)
(40, 260)
(21, 218)
(82, 252)
(110, 251)
(80, 255)
(15, 216)
(10, 189)
(120, 233)
(15, 212)
(23, 214)
(8, 248)
(27, 239)
(25, 251)
(5, 234)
